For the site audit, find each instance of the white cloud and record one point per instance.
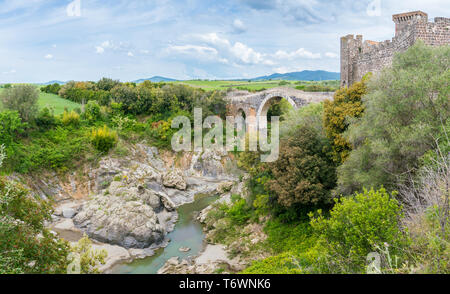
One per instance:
(130, 54)
(48, 56)
(239, 26)
(284, 69)
(194, 49)
(300, 53)
(114, 46)
(239, 52)
(100, 50)
(249, 56)
(331, 55)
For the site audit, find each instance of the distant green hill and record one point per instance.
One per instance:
(306, 75)
(53, 82)
(155, 79)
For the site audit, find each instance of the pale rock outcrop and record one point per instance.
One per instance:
(214, 257)
(208, 164)
(126, 216)
(175, 179)
(69, 213)
(225, 187)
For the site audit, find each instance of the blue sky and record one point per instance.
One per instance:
(41, 40)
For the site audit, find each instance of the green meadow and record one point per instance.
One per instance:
(255, 85)
(224, 85)
(54, 102)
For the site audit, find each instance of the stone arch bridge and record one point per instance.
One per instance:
(246, 104)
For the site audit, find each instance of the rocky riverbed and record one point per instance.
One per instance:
(128, 205)
(215, 258)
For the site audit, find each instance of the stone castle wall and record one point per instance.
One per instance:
(359, 57)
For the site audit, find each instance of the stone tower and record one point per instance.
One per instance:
(359, 57)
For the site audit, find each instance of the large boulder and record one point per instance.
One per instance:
(69, 213)
(175, 179)
(208, 164)
(125, 216)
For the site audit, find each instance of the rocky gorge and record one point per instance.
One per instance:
(128, 205)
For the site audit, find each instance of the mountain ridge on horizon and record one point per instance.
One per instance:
(306, 75)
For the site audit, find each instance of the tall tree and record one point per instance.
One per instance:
(347, 103)
(23, 99)
(405, 110)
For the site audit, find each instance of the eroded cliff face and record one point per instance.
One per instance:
(163, 172)
(127, 205)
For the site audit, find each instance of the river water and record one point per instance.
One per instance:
(188, 232)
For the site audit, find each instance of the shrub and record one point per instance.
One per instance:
(2, 154)
(161, 132)
(86, 257)
(239, 211)
(45, 119)
(359, 225)
(428, 216)
(104, 139)
(56, 148)
(70, 118)
(10, 126)
(92, 111)
(123, 122)
(285, 263)
(23, 99)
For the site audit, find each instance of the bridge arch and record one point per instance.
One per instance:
(241, 112)
(256, 105)
(261, 114)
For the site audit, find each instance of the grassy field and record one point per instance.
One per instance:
(251, 85)
(57, 103)
(224, 85)
(53, 102)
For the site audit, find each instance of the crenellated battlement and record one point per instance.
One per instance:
(359, 57)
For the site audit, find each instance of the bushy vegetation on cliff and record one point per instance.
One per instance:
(36, 140)
(380, 153)
(26, 245)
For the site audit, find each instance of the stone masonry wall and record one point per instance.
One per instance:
(358, 57)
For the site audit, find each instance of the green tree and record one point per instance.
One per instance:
(405, 110)
(127, 96)
(10, 126)
(347, 103)
(26, 246)
(107, 84)
(303, 174)
(23, 99)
